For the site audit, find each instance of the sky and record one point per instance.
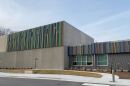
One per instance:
(104, 20)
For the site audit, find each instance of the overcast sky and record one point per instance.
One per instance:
(104, 20)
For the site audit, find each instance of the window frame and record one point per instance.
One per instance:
(100, 61)
(81, 62)
(92, 60)
(76, 61)
(84, 61)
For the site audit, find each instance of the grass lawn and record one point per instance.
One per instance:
(64, 72)
(13, 70)
(68, 72)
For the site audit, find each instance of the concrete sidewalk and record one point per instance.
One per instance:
(105, 79)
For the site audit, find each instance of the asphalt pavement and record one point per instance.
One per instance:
(35, 82)
(39, 82)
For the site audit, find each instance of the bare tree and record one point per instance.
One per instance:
(5, 31)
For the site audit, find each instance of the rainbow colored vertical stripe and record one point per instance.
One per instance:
(101, 48)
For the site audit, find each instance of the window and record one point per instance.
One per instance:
(89, 60)
(82, 60)
(79, 59)
(74, 60)
(102, 60)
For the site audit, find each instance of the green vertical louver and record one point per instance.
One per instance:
(41, 37)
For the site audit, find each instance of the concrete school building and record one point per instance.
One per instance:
(44, 47)
(61, 46)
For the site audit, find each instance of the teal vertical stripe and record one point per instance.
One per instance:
(40, 37)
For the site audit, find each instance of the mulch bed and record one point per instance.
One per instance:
(123, 75)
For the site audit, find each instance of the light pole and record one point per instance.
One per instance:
(113, 73)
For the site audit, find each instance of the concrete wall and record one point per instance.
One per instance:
(73, 37)
(7, 59)
(48, 58)
(3, 43)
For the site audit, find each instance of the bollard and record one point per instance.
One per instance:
(113, 75)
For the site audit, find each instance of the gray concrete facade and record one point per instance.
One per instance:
(3, 43)
(74, 37)
(47, 58)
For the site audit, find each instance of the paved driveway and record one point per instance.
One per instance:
(35, 82)
(39, 82)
